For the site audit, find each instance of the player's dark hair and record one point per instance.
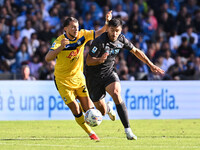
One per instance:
(115, 22)
(68, 20)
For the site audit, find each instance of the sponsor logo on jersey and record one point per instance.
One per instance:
(116, 51)
(113, 51)
(74, 59)
(73, 53)
(94, 49)
(119, 46)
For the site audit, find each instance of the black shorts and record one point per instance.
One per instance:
(97, 85)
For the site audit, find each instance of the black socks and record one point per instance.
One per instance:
(123, 114)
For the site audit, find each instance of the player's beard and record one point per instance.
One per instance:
(115, 38)
(112, 37)
(73, 36)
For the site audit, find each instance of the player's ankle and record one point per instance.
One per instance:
(92, 132)
(127, 129)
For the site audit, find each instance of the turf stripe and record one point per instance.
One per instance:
(140, 146)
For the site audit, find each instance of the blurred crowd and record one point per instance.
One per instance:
(167, 31)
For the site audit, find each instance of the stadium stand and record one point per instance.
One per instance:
(167, 31)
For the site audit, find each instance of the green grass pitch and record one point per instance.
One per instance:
(62, 135)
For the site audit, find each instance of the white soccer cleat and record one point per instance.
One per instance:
(130, 135)
(111, 112)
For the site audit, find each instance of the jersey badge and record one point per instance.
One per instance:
(94, 49)
(53, 45)
(79, 42)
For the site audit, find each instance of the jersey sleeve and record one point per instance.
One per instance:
(56, 44)
(127, 44)
(89, 34)
(95, 48)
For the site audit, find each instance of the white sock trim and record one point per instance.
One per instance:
(92, 132)
(128, 130)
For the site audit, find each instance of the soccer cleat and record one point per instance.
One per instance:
(130, 135)
(94, 137)
(111, 112)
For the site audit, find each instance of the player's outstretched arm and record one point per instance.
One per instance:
(51, 55)
(139, 54)
(93, 61)
(104, 28)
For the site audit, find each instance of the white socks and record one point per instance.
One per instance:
(92, 132)
(128, 130)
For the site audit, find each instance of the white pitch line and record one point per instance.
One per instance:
(59, 138)
(64, 138)
(112, 146)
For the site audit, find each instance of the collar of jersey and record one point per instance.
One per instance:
(68, 38)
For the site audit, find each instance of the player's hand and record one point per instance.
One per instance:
(64, 42)
(109, 16)
(157, 70)
(103, 57)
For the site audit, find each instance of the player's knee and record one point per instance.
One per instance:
(117, 98)
(75, 108)
(76, 111)
(116, 94)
